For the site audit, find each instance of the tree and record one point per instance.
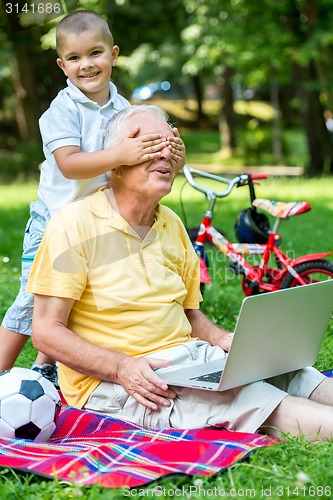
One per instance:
(30, 67)
(27, 108)
(268, 45)
(286, 39)
(309, 23)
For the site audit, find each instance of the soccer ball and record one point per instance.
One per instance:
(29, 405)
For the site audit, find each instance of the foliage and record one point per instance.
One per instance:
(203, 146)
(285, 470)
(286, 44)
(22, 162)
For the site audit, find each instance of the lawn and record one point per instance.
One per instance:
(289, 470)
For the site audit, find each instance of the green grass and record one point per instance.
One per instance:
(274, 472)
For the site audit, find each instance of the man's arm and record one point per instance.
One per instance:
(52, 337)
(204, 329)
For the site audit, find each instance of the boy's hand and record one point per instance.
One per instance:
(134, 150)
(178, 149)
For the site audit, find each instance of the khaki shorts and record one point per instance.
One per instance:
(243, 409)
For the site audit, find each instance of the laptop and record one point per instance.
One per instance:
(276, 333)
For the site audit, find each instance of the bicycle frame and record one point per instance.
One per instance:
(256, 278)
(235, 251)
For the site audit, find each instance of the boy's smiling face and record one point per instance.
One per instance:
(87, 60)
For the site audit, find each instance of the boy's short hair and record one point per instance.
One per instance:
(80, 21)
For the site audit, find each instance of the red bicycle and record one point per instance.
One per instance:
(275, 269)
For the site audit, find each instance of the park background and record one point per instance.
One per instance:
(249, 84)
(255, 76)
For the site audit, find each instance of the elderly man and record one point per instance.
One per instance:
(117, 296)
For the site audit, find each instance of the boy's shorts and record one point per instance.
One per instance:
(242, 409)
(18, 318)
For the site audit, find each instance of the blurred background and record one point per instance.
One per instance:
(247, 82)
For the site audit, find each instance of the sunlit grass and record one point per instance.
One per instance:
(253, 134)
(17, 195)
(261, 110)
(283, 466)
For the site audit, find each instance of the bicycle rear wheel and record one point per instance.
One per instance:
(311, 272)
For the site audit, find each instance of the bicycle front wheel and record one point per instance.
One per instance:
(311, 272)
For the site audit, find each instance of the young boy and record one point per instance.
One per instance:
(75, 163)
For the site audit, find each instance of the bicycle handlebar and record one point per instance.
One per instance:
(258, 176)
(239, 180)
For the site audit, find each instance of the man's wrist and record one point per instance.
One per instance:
(120, 363)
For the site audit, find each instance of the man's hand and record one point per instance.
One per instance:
(178, 149)
(137, 377)
(224, 340)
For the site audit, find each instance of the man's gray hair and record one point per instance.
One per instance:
(119, 124)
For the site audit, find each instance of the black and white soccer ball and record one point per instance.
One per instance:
(29, 404)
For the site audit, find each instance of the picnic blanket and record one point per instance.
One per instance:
(89, 448)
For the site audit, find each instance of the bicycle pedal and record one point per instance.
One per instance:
(254, 286)
(235, 267)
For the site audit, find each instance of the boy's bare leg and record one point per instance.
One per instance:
(11, 344)
(43, 359)
(311, 418)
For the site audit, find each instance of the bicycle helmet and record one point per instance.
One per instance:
(252, 227)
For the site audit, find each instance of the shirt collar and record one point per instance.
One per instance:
(78, 96)
(99, 205)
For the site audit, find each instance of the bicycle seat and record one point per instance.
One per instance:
(281, 209)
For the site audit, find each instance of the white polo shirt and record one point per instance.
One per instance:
(73, 120)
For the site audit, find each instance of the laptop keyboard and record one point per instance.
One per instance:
(209, 377)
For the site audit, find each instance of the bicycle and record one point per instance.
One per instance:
(256, 239)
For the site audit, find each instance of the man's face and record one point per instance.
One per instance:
(154, 178)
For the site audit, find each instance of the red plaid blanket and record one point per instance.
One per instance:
(89, 448)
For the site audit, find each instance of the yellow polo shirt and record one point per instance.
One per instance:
(130, 292)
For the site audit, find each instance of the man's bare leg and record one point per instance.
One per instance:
(324, 392)
(311, 418)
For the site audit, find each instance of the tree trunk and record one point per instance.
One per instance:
(25, 82)
(276, 129)
(227, 114)
(307, 79)
(318, 138)
(199, 97)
